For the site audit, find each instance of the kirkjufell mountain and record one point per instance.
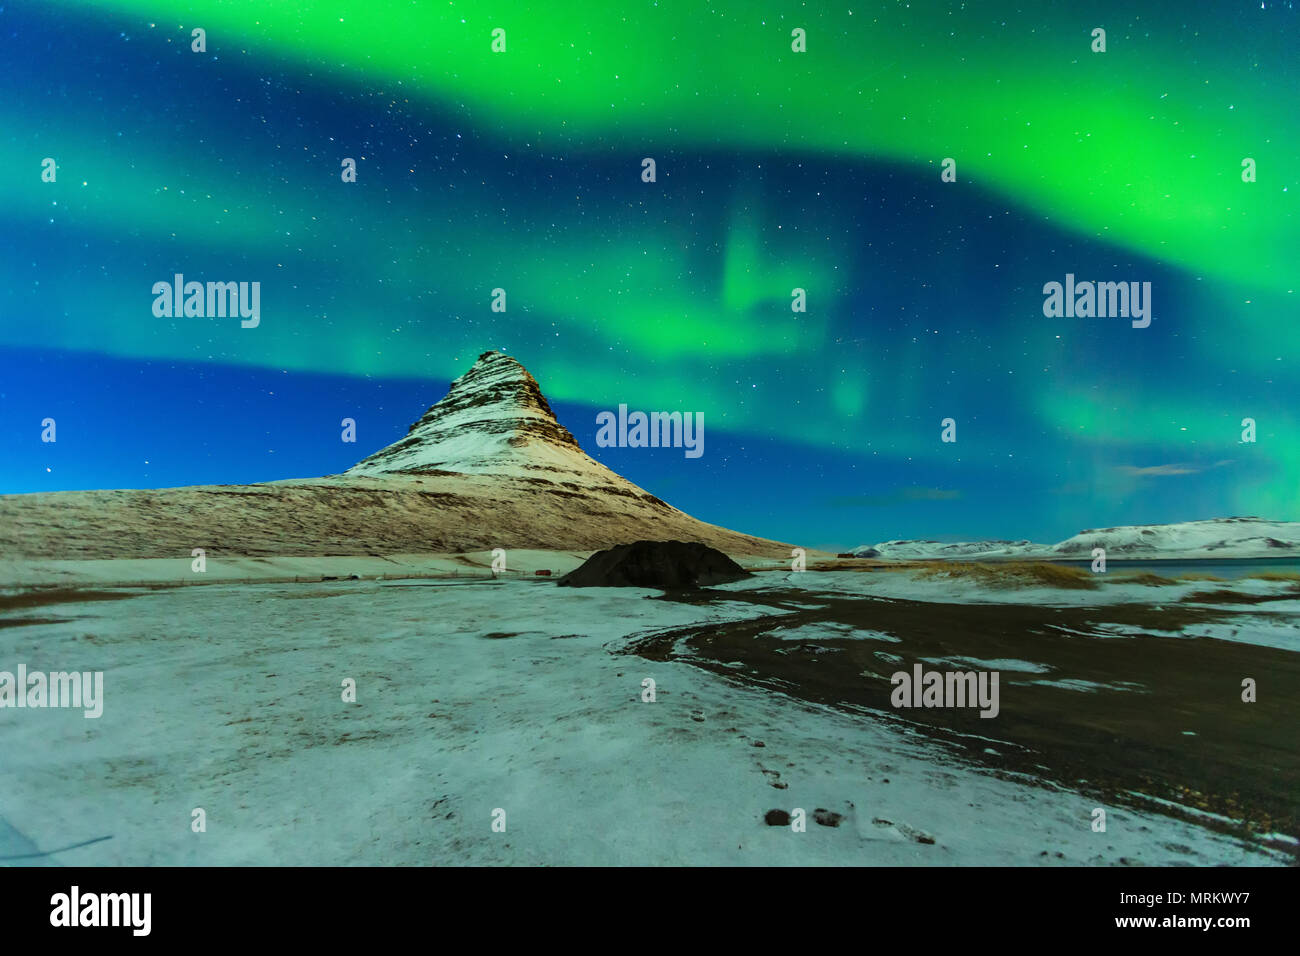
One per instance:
(486, 467)
(494, 420)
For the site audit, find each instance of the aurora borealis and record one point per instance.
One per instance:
(776, 170)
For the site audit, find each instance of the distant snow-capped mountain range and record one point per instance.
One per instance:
(1213, 538)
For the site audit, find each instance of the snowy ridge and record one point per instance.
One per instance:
(1215, 537)
(920, 550)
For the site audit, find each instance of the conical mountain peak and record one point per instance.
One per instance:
(493, 418)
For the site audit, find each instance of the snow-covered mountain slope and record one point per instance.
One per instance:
(919, 550)
(1212, 538)
(1217, 537)
(487, 467)
(494, 420)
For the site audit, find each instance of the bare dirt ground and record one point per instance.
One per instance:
(1134, 710)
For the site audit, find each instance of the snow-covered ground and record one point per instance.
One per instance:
(471, 698)
(241, 569)
(1113, 588)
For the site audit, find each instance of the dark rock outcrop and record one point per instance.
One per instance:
(666, 565)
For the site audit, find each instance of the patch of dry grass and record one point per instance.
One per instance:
(1143, 577)
(1238, 597)
(839, 564)
(1014, 574)
(1275, 576)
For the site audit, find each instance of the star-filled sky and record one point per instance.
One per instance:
(775, 170)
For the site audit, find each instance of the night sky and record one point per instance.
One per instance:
(522, 170)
